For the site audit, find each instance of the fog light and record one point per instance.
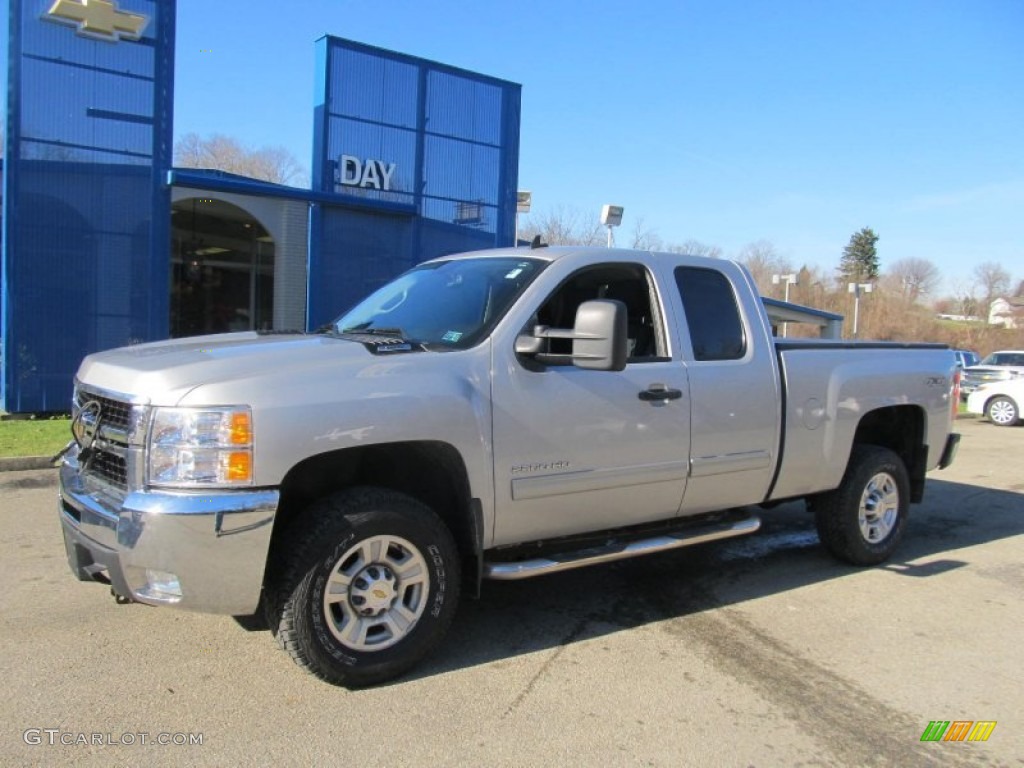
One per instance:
(162, 584)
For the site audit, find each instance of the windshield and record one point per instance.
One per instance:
(444, 304)
(1004, 358)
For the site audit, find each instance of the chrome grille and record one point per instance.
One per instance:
(116, 414)
(110, 467)
(108, 461)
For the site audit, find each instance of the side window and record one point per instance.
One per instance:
(628, 283)
(716, 330)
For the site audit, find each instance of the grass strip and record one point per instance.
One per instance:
(33, 437)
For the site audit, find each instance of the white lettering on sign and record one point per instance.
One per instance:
(370, 174)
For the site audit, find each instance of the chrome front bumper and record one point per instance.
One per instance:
(197, 551)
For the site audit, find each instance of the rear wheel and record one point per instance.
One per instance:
(862, 521)
(1002, 411)
(370, 587)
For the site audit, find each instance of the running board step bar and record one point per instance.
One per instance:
(619, 550)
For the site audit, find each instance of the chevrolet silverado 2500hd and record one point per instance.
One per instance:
(492, 415)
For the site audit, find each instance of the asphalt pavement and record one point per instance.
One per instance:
(761, 651)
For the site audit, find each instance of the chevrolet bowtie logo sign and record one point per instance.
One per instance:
(98, 19)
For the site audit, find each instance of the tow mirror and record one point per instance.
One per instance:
(599, 336)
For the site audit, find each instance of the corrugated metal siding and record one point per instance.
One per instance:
(463, 107)
(459, 170)
(84, 111)
(453, 136)
(372, 87)
(359, 252)
(85, 208)
(440, 239)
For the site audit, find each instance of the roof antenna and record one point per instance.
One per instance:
(536, 243)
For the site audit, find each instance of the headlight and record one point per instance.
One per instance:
(201, 446)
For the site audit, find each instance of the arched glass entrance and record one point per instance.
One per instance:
(222, 269)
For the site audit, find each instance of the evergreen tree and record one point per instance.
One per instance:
(860, 257)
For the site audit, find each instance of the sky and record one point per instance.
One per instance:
(724, 121)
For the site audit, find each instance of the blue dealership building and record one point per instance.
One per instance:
(106, 244)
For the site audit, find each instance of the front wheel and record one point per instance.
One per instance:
(370, 588)
(1002, 411)
(862, 521)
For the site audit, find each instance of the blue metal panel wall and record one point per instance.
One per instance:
(376, 247)
(453, 137)
(86, 205)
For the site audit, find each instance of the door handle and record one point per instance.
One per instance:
(658, 393)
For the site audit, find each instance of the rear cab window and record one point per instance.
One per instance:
(712, 314)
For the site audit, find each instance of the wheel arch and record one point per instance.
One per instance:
(431, 472)
(901, 429)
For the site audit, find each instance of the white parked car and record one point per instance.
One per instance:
(999, 401)
(998, 366)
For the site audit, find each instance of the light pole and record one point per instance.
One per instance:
(857, 289)
(788, 280)
(611, 216)
(523, 200)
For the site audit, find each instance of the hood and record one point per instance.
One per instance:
(164, 372)
(997, 371)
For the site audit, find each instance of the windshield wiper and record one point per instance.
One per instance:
(395, 341)
(362, 328)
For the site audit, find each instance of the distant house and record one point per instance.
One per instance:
(1007, 312)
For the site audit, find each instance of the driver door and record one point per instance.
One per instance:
(578, 450)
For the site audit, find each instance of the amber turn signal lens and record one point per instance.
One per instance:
(239, 466)
(241, 428)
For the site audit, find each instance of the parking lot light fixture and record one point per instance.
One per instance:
(611, 216)
(787, 280)
(857, 289)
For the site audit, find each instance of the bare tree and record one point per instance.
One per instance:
(224, 153)
(563, 226)
(763, 260)
(814, 288)
(914, 278)
(693, 247)
(965, 301)
(993, 281)
(645, 238)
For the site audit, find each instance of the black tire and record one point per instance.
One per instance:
(851, 524)
(379, 622)
(1002, 411)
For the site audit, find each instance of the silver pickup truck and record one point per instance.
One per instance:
(492, 415)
